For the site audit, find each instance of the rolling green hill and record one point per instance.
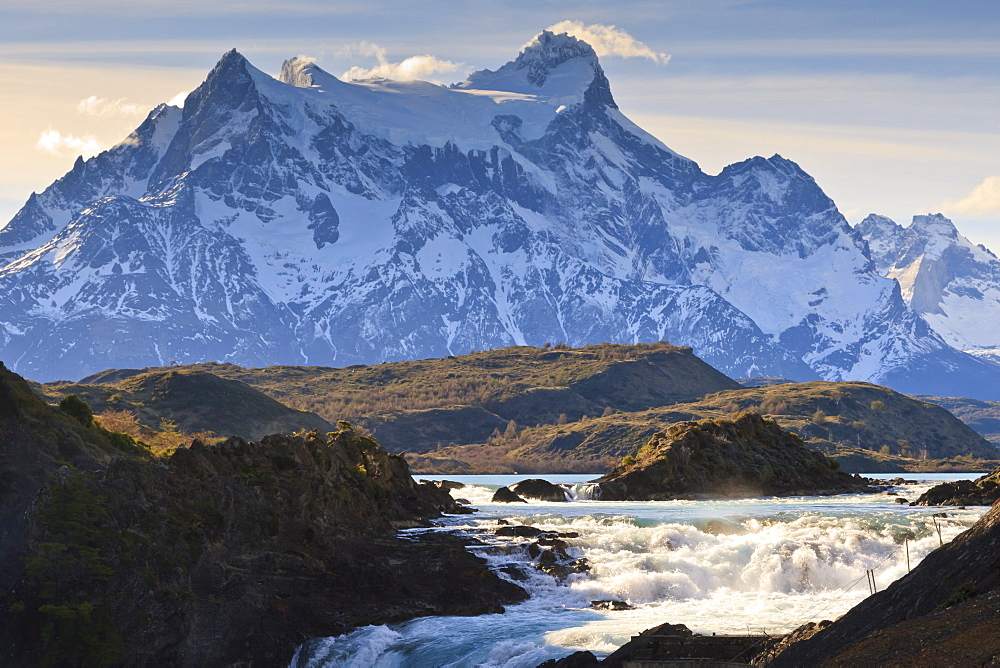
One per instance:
(421, 405)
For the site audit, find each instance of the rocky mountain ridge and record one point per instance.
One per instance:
(308, 220)
(951, 282)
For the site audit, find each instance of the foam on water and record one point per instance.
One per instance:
(716, 566)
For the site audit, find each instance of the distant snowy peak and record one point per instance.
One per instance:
(516, 102)
(309, 220)
(557, 69)
(952, 282)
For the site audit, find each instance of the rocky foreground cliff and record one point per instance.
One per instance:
(748, 455)
(222, 555)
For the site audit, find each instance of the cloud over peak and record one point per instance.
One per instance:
(983, 200)
(609, 40)
(57, 143)
(101, 106)
(414, 67)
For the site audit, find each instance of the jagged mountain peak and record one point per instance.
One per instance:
(875, 221)
(307, 219)
(298, 72)
(557, 68)
(547, 51)
(953, 283)
(776, 164)
(934, 224)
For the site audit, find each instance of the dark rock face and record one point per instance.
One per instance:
(983, 491)
(505, 495)
(942, 613)
(536, 488)
(237, 552)
(746, 456)
(35, 441)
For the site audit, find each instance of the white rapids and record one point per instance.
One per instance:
(728, 566)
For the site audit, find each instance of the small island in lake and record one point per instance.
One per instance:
(748, 455)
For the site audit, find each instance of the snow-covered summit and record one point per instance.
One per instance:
(310, 220)
(558, 69)
(953, 283)
(551, 74)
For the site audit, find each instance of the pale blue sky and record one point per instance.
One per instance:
(894, 107)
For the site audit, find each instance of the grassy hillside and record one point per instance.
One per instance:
(539, 410)
(193, 400)
(866, 426)
(421, 405)
(982, 416)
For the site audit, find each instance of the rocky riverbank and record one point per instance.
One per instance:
(983, 491)
(748, 455)
(222, 555)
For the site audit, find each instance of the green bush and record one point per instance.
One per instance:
(78, 409)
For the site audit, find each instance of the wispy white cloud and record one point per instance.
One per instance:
(178, 100)
(102, 106)
(983, 200)
(57, 143)
(414, 67)
(609, 40)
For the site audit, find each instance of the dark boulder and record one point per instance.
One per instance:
(505, 495)
(983, 491)
(519, 530)
(558, 563)
(574, 660)
(446, 485)
(610, 604)
(536, 488)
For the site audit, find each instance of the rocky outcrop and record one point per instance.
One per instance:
(550, 551)
(942, 613)
(505, 495)
(669, 644)
(234, 553)
(35, 441)
(745, 456)
(536, 488)
(982, 491)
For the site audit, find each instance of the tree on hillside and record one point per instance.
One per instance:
(78, 409)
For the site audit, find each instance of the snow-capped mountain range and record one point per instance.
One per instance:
(951, 282)
(308, 220)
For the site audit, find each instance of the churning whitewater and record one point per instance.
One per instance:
(723, 566)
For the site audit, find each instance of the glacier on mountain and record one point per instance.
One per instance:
(308, 220)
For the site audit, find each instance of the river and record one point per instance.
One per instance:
(724, 566)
